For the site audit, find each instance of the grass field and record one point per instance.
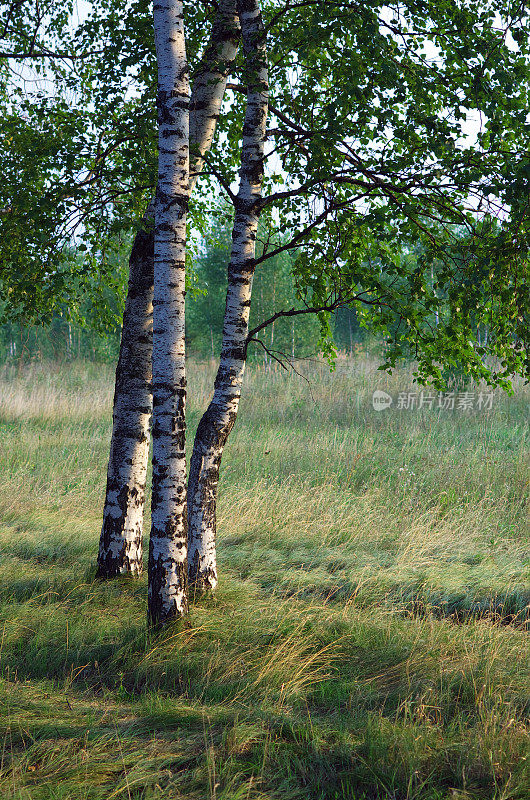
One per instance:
(370, 635)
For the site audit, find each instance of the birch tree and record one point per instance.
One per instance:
(120, 549)
(218, 420)
(167, 577)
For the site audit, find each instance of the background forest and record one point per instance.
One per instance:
(91, 329)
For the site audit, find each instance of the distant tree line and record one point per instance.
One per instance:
(91, 329)
(82, 333)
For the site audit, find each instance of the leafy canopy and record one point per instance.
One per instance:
(394, 128)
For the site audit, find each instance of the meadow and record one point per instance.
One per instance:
(370, 635)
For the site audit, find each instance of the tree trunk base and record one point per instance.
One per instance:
(202, 584)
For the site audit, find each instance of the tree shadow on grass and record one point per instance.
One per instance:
(290, 693)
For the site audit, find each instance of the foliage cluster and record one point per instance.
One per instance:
(371, 151)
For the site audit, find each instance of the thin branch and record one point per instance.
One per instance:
(219, 177)
(50, 54)
(283, 365)
(294, 312)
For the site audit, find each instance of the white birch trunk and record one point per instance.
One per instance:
(209, 83)
(120, 549)
(218, 420)
(69, 344)
(120, 545)
(434, 292)
(167, 571)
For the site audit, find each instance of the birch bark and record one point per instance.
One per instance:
(120, 548)
(120, 545)
(167, 572)
(219, 418)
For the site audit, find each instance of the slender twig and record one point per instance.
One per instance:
(288, 360)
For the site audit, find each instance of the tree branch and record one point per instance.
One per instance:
(294, 312)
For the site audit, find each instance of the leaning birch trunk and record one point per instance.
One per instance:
(120, 545)
(120, 548)
(218, 420)
(167, 570)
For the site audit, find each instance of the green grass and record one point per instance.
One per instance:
(369, 638)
